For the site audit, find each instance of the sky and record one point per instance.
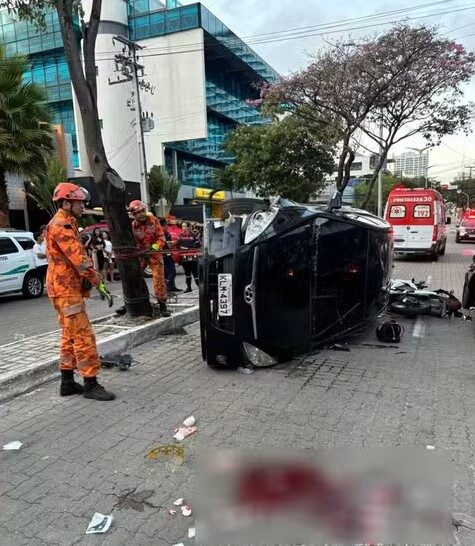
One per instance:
(251, 19)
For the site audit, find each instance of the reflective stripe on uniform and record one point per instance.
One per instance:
(73, 309)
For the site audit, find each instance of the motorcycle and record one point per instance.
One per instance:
(411, 299)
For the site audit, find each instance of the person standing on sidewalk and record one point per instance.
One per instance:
(150, 240)
(39, 250)
(70, 277)
(187, 240)
(170, 270)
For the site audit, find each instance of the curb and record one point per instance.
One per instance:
(41, 372)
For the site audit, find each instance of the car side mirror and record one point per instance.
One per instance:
(335, 201)
(448, 220)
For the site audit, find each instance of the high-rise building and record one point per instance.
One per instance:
(199, 76)
(411, 164)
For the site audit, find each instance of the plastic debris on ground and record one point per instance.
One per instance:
(173, 512)
(11, 446)
(339, 347)
(244, 370)
(189, 421)
(186, 510)
(430, 447)
(178, 544)
(178, 502)
(182, 432)
(191, 532)
(123, 362)
(99, 523)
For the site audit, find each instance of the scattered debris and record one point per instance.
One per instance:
(182, 432)
(99, 523)
(430, 447)
(186, 510)
(467, 318)
(167, 452)
(192, 532)
(178, 544)
(245, 370)
(172, 512)
(179, 502)
(463, 520)
(123, 362)
(47, 457)
(19, 337)
(189, 421)
(339, 347)
(378, 345)
(11, 446)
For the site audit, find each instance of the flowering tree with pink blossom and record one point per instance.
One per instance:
(408, 80)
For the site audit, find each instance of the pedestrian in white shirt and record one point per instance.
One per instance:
(109, 262)
(39, 250)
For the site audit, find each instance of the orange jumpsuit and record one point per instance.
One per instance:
(147, 234)
(68, 266)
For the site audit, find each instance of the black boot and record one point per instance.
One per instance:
(188, 285)
(163, 309)
(68, 385)
(92, 389)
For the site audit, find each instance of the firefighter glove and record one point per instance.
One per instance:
(105, 293)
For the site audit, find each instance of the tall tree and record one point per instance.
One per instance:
(407, 80)
(42, 186)
(25, 133)
(282, 158)
(111, 186)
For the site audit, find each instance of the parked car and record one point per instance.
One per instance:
(466, 229)
(18, 272)
(418, 218)
(277, 282)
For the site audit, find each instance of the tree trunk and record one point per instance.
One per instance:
(4, 219)
(111, 186)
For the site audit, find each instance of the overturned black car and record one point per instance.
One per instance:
(280, 281)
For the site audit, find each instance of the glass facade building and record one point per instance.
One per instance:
(232, 71)
(48, 66)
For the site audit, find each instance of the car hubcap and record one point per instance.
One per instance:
(34, 286)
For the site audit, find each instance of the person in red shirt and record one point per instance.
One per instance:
(150, 239)
(69, 279)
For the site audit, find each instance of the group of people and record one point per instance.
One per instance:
(73, 269)
(99, 248)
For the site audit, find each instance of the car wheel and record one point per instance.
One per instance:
(32, 285)
(410, 309)
(434, 256)
(147, 272)
(442, 250)
(457, 239)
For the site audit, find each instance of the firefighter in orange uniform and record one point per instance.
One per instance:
(70, 277)
(150, 238)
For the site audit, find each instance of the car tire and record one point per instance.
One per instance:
(147, 272)
(457, 239)
(442, 250)
(33, 285)
(242, 205)
(409, 309)
(434, 256)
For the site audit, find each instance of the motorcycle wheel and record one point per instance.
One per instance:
(410, 308)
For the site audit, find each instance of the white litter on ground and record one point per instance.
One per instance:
(189, 421)
(99, 523)
(12, 446)
(178, 502)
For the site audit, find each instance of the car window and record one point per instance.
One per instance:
(7, 246)
(25, 242)
(397, 211)
(422, 211)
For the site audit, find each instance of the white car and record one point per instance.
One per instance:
(18, 272)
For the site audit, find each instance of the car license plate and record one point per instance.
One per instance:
(225, 294)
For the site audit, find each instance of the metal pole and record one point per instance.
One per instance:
(140, 138)
(380, 173)
(25, 208)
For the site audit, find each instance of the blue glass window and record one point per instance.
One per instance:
(157, 23)
(142, 27)
(36, 44)
(23, 47)
(189, 17)
(172, 21)
(9, 33)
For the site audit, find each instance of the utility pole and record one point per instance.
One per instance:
(470, 167)
(128, 66)
(380, 173)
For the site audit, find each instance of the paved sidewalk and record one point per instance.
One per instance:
(81, 456)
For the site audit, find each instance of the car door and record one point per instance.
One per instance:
(13, 264)
(420, 233)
